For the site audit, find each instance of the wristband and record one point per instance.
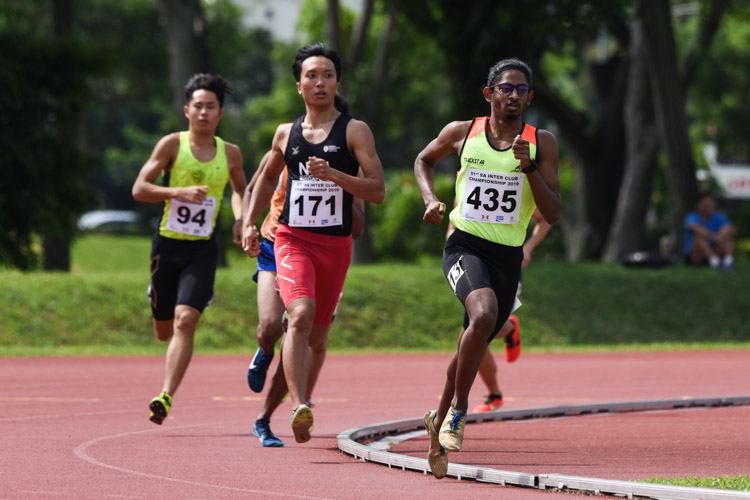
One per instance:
(531, 168)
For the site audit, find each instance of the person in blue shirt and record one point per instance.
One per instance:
(709, 236)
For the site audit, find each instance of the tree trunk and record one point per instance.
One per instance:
(178, 19)
(56, 247)
(669, 102)
(362, 249)
(598, 153)
(333, 29)
(626, 234)
(359, 34)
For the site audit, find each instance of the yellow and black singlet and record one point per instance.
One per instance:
(183, 220)
(494, 199)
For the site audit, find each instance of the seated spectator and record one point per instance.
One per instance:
(709, 237)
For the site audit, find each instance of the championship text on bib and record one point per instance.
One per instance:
(316, 203)
(492, 197)
(195, 219)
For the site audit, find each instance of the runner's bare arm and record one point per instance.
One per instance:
(251, 185)
(238, 181)
(263, 190)
(449, 139)
(540, 231)
(358, 214)
(369, 187)
(544, 182)
(161, 160)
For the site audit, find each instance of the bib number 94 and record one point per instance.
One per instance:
(194, 219)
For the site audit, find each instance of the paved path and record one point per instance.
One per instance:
(78, 427)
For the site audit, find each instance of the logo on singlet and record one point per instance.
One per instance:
(475, 161)
(330, 149)
(295, 150)
(197, 176)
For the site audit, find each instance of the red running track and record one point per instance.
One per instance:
(78, 427)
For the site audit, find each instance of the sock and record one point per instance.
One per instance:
(728, 261)
(714, 261)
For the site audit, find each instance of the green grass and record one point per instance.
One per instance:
(101, 308)
(738, 483)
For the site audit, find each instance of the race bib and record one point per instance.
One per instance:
(316, 203)
(194, 219)
(492, 197)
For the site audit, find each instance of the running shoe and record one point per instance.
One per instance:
(452, 431)
(262, 430)
(256, 373)
(437, 457)
(493, 402)
(513, 341)
(159, 407)
(302, 422)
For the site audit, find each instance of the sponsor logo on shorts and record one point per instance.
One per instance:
(455, 273)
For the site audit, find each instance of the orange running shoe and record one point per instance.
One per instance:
(513, 341)
(493, 402)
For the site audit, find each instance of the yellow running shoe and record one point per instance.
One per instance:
(159, 407)
(452, 430)
(302, 421)
(437, 457)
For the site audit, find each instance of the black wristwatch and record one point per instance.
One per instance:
(532, 167)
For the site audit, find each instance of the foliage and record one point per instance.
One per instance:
(42, 170)
(715, 97)
(406, 118)
(397, 230)
(386, 306)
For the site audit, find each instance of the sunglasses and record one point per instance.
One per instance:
(507, 88)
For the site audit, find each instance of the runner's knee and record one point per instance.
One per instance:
(186, 319)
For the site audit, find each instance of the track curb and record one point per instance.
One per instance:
(351, 443)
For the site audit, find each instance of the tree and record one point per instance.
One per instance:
(43, 174)
(669, 103)
(184, 26)
(626, 234)
(588, 113)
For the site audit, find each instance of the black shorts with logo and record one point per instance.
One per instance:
(471, 263)
(182, 273)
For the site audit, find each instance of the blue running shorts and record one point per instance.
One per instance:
(266, 259)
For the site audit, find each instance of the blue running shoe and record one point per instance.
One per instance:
(262, 430)
(256, 373)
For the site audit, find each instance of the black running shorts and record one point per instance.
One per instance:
(471, 263)
(182, 273)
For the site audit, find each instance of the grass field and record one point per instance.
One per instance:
(101, 307)
(738, 483)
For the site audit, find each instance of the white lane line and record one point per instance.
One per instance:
(81, 451)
